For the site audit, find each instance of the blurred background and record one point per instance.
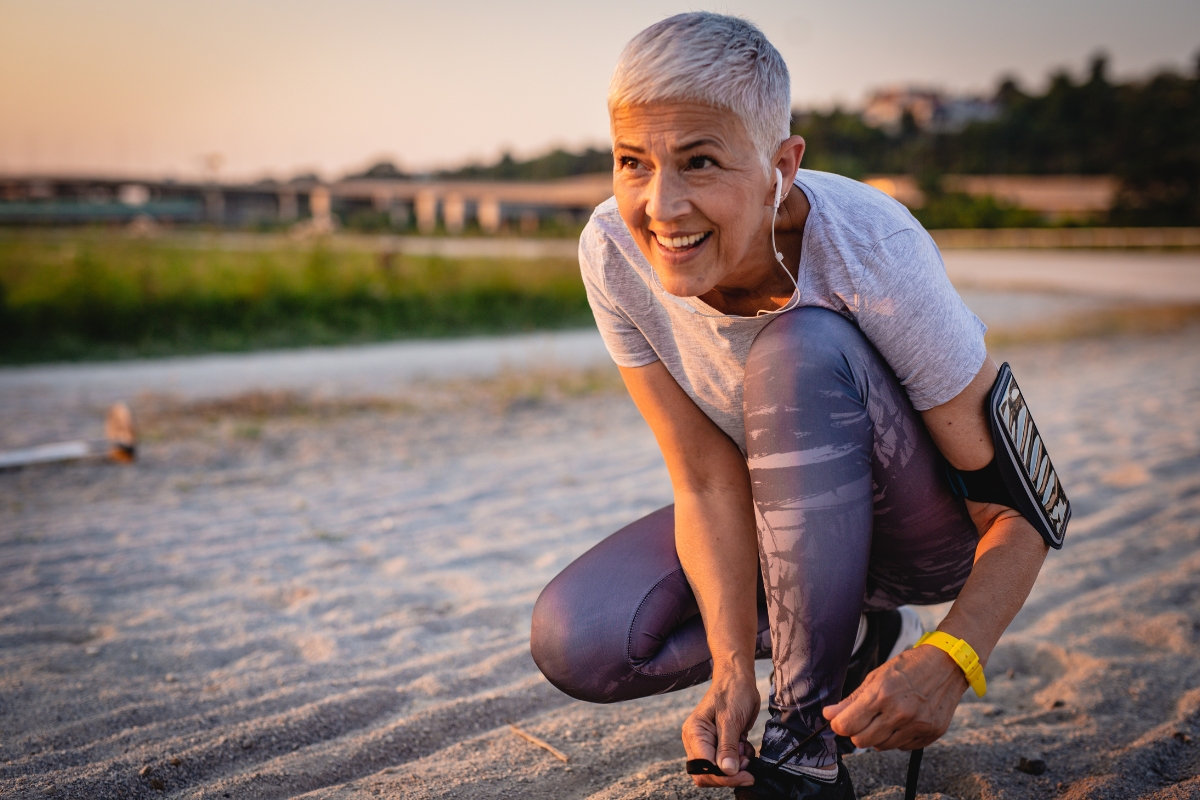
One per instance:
(186, 177)
(315, 263)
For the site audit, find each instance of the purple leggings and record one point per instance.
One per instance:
(853, 513)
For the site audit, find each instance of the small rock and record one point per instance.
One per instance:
(1181, 737)
(1058, 704)
(176, 761)
(248, 744)
(157, 785)
(49, 790)
(1010, 673)
(1032, 766)
(170, 677)
(144, 771)
(92, 650)
(133, 656)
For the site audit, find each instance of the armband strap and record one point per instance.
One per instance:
(962, 653)
(1021, 475)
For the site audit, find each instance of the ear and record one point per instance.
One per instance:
(787, 161)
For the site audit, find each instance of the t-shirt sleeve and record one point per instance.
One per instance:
(910, 311)
(626, 344)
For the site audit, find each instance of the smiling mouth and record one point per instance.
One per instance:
(680, 244)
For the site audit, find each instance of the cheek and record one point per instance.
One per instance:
(736, 221)
(631, 208)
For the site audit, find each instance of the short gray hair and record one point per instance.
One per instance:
(712, 59)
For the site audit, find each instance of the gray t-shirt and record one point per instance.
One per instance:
(864, 256)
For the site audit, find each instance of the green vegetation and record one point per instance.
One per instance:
(1146, 133)
(555, 164)
(96, 294)
(957, 210)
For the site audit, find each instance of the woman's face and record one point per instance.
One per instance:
(694, 193)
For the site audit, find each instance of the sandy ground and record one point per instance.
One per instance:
(1146, 275)
(297, 593)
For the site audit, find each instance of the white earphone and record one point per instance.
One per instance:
(778, 257)
(778, 200)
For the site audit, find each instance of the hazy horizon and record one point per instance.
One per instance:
(149, 89)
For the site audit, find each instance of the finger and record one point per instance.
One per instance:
(854, 719)
(729, 744)
(714, 782)
(879, 732)
(905, 739)
(856, 712)
(742, 778)
(829, 712)
(913, 736)
(700, 738)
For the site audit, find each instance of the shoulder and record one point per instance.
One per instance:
(605, 224)
(604, 230)
(858, 215)
(605, 246)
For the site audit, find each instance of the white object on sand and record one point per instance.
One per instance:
(119, 444)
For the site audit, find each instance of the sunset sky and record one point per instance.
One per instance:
(148, 87)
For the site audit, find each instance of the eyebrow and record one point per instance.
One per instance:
(703, 142)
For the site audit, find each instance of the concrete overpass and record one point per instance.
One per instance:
(452, 205)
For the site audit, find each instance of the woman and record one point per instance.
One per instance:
(807, 369)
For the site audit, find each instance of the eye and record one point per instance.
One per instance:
(700, 162)
(628, 162)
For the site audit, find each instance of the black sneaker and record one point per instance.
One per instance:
(772, 783)
(889, 633)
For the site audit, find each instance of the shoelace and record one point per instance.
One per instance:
(702, 766)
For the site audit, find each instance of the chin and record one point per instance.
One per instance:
(680, 285)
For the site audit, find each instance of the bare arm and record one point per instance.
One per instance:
(910, 701)
(718, 547)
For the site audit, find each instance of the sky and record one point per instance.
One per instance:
(278, 87)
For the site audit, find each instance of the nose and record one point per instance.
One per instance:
(667, 198)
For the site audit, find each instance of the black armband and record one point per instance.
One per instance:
(1021, 475)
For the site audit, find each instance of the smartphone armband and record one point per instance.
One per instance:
(1021, 475)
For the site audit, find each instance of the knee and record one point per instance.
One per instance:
(811, 360)
(559, 645)
(809, 338)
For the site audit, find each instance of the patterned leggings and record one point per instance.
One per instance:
(853, 514)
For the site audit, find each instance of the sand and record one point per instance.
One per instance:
(303, 594)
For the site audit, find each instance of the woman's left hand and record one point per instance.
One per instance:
(905, 704)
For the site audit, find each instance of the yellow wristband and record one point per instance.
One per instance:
(963, 654)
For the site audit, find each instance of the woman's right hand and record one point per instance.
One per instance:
(717, 542)
(716, 730)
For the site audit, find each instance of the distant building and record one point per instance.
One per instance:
(930, 109)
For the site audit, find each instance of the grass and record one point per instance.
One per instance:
(75, 295)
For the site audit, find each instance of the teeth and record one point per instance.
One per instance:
(680, 241)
